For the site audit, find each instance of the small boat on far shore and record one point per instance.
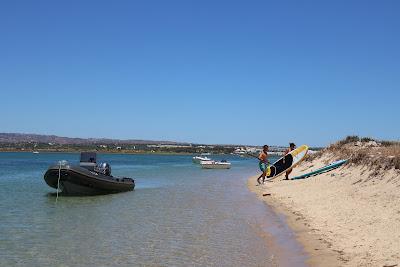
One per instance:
(35, 152)
(223, 164)
(199, 159)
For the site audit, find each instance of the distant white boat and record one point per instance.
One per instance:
(198, 159)
(215, 164)
(35, 152)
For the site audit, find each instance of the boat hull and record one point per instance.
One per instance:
(75, 180)
(212, 165)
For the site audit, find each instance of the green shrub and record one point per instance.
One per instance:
(349, 139)
(367, 139)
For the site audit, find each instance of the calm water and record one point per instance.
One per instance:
(178, 215)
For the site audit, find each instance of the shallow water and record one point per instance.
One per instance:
(178, 215)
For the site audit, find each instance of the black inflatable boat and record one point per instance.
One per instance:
(89, 178)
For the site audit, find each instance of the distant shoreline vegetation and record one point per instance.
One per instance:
(18, 142)
(120, 148)
(134, 149)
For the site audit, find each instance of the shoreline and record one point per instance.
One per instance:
(349, 216)
(317, 251)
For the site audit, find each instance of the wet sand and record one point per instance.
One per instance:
(346, 217)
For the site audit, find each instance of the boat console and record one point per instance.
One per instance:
(88, 160)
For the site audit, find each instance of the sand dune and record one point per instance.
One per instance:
(347, 217)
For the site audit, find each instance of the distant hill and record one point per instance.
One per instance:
(15, 138)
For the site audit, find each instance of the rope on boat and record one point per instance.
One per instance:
(58, 181)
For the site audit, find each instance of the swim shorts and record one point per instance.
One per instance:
(264, 167)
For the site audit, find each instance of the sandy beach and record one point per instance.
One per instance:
(347, 217)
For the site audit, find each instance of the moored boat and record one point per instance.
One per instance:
(199, 159)
(87, 178)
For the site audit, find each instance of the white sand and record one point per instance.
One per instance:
(350, 217)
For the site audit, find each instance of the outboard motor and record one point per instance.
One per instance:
(105, 168)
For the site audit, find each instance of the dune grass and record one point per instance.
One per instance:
(377, 155)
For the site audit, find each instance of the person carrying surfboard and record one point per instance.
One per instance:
(263, 164)
(292, 147)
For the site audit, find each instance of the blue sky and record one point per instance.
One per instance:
(249, 72)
